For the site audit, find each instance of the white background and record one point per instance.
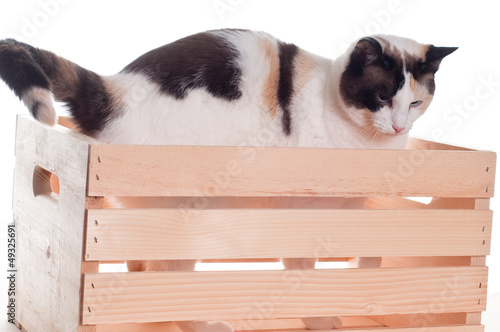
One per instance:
(105, 36)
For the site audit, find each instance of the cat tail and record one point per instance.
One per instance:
(37, 77)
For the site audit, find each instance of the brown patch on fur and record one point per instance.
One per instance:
(425, 49)
(371, 74)
(65, 79)
(413, 84)
(270, 90)
(304, 66)
(422, 93)
(391, 50)
(412, 63)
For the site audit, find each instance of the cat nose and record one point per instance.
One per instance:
(398, 129)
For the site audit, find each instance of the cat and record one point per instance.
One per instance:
(221, 87)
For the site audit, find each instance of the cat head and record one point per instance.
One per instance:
(388, 82)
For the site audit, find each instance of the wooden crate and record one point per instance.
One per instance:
(433, 275)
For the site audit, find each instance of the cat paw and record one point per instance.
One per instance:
(322, 323)
(205, 327)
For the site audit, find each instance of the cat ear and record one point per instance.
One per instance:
(367, 52)
(433, 58)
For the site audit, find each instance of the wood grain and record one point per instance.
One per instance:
(50, 230)
(171, 296)
(440, 322)
(170, 327)
(422, 144)
(199, 171)
(137, 234)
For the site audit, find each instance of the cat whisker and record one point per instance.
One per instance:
(370, 133)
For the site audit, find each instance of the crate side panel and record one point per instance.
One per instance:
(137, 234)
(50, 228)
(118, 170)
(171, 296)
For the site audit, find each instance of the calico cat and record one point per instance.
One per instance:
(222, 87)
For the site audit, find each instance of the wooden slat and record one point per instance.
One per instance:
(239, 325)
(451, 328)
(171, 327)
(436, 203)
(145, 327)
(423, 319)
(172, 296)
(116, 234)
(67, 122)
(422, 261)
(426, 261)
(119, 170)
(422, 144)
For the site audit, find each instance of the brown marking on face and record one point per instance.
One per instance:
(411, 64)
(421, 93)
(424, 49)
(270, 89)
(390, 50)
(373, 74)
(413, 84)
(413, 67)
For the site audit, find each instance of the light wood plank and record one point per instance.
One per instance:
(422, 144)
(172, 296)
(145, 327)
(427, 261)
(247, 325)
(196, 171)
(423, 319)
(139, 234)
(67, 122)
(482, 204)
(50, 231)
(297, 324)
(451, 328)
(436, 203)
(171, 327)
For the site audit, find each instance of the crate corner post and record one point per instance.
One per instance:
(49, 213)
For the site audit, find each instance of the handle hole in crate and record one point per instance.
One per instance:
(45, 183)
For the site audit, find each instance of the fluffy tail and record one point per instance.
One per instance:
(36, 76)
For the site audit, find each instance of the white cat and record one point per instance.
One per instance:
(223, 88)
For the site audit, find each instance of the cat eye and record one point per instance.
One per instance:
(416, 103)
(383, 99)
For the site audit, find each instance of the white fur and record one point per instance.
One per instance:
(46, 113)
